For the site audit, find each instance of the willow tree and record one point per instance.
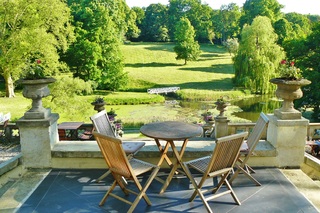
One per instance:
(29, 29)
(258, 57)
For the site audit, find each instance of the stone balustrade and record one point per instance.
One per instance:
(282, 144)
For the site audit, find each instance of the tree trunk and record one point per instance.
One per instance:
(9, 86)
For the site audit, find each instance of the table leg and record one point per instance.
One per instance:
(175, 166)
(163, 152)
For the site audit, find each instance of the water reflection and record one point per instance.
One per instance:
(250, 107)
(253, 106)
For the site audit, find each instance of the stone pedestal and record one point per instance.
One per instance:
(221, 126)
(37, 137)
(289, 138)
(208, 129)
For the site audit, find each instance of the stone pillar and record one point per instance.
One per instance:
(289, 138)
(221, 126)
(37, 137)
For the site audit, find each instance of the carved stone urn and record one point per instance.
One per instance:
(221, 107)
(36, 90)
(288, 91)
(98, 106)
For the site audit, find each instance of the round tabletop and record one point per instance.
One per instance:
(171, 130)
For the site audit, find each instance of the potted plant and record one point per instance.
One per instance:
(221, 104)
(112, 114)
(35, 87)
(207, 116)
(98, 104)
(118, 127)
(289, 89)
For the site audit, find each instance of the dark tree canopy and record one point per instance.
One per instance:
(96, 55)
(307, 59)
(254, 8)
(154, 26)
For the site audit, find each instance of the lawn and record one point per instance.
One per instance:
(154, 65)
(151, 65)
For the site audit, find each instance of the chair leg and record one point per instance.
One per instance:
(235, 198)
(108, 193)
(204, 200)
(196, 186)
(248, 168)
(103, 176)
(240, 168)
(143, 190)
(234, 175)
(250, 177)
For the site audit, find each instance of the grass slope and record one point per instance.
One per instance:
(154, 65)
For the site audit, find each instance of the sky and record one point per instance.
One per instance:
(300, 6)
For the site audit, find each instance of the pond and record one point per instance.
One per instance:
(252, 107)
(248, 109)
(244, 110)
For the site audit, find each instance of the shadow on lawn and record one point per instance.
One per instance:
(220, 68)
(152, 64)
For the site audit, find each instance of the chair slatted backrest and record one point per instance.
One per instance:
(114, 154)
(102, 123)
(226, 151)
(257, 132)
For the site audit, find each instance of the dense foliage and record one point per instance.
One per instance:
(307, 58)
(96, 55)
(257, 59)
(32, 30)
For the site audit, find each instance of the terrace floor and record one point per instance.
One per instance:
(76, 191)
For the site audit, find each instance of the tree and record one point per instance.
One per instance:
(96, 55)
(229, 16)
(32, 29)
(186, 48)
(258, 56)
(232, 45)
(200, 18)
(64, 94)
(301, 25)
(133, 31)
(199, 15)
(307, 59)
(140, 16)
(154, 27)
(284, 30)
(254, 8)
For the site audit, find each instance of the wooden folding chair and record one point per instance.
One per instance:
(122, 167)
(248, 147)
(219, 164)
(102, 125)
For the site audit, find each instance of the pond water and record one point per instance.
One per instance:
(253, 106)
(249, 108)
(244, 110)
